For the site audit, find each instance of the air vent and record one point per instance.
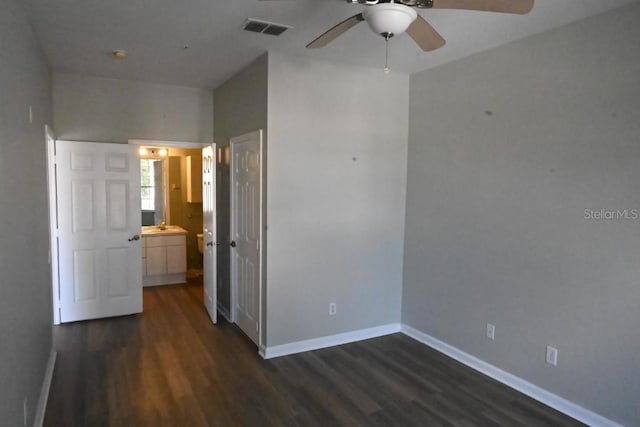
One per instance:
(264, 27)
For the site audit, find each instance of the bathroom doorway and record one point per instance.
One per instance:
(171, 196)
(178, 194)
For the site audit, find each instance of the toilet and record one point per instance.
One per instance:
(200, 236)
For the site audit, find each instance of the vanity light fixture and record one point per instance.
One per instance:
(153, 152)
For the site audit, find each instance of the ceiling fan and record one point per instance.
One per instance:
(390, 18)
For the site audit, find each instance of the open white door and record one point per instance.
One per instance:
(99, 257)
(209, 230)
(53, 221)
(246, 232)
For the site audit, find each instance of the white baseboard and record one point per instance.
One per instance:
(554, 401)
(44, 391)
(566, 407)
(328, 341)
(262, 351)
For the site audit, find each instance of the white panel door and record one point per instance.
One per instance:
(98, 194)
(209, 230)
(246, 232)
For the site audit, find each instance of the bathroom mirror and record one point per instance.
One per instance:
(152, 191)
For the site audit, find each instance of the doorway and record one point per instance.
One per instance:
(172, 182)
(85, 281)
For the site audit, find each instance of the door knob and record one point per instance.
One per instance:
(135, 237)
(233, 243)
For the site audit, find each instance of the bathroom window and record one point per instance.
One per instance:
(147, 186)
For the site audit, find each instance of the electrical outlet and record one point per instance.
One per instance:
(491, 331)
(552, 355)
(333, 309)
(25, 410)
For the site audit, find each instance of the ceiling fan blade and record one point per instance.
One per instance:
(520, 7)
(337, 30)
(425, 35)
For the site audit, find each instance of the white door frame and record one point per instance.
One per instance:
(234, 282)
(53, 222)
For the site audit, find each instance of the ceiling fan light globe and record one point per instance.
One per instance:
(389, 18)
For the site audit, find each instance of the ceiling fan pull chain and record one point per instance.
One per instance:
(386, 55)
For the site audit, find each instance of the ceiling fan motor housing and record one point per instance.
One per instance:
(389, 19)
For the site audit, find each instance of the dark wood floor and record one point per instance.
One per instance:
(171, 367)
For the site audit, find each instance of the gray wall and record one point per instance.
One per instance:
(25, 291)
(506, 150)
(240, 106)
(110, 110)
(336, 194)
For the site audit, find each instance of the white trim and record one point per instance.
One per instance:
(328, 341)
(44, 391)
(262, 351)
(159, 143)
(563, 405)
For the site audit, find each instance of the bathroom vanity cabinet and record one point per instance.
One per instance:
(164, 255)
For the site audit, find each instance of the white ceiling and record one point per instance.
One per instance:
(78, 35)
